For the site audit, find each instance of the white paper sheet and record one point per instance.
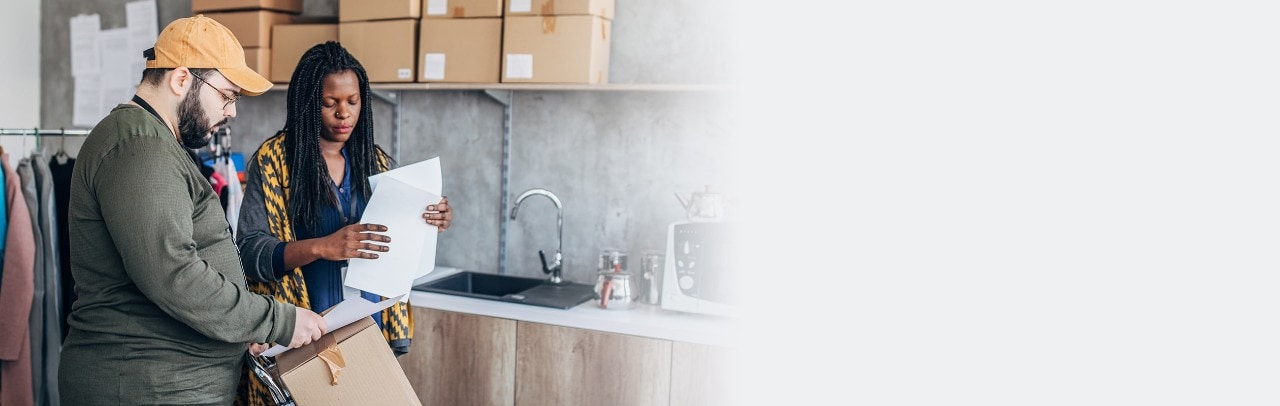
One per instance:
(84, 45)
(423, 175)
(88, 101)
(342, 314)
(118, 83)
(399, 198)
(140, 16)
(398, 206)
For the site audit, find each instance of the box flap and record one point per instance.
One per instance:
(293, 358)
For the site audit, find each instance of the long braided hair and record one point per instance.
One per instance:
(309, 179)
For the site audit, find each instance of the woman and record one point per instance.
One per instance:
(306, 188)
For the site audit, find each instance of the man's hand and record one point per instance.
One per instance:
(256, 349)
(308, 327)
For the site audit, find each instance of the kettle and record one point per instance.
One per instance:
(703, 206)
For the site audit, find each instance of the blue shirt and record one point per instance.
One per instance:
(324, 277)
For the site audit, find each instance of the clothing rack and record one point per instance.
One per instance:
(38, 131)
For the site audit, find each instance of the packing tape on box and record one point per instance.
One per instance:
(459, 12)
(548, 24)
(331, 355)
(549, 8)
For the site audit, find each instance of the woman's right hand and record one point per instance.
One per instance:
(353, 241)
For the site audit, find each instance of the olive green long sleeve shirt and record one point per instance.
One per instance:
(162, 314)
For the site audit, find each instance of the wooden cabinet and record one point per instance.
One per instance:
(568, 366)
(461, 359)
(701, 374)
(464, 359)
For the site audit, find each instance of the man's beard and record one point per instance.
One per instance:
(192, 128)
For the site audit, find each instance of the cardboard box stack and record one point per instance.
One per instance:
(383, 35)
(289, 42)
(460, 41)
(556, 41)
(251, 22)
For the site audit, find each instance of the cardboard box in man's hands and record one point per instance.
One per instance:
(352, 365)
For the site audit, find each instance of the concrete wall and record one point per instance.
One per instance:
(20, 41)
(614, 158)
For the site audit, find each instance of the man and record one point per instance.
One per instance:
(162, 314)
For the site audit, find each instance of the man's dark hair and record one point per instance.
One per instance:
(309, 181)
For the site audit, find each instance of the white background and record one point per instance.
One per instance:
(1014, 203)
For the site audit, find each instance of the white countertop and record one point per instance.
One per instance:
(643, 320)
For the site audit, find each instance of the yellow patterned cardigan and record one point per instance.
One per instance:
(397, 320)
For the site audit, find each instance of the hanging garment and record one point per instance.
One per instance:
(4, 220)
(234, 193)
(45, 353)
(31, 195)
(16, 294)
(60, 169)
(219, 184)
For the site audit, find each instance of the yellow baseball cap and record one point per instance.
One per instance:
(200, 42)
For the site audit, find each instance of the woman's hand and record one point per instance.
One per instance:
(353, 241)
(439, 214)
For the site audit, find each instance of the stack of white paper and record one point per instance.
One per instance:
(399, 198)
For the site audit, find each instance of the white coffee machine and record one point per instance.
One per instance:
(699, 273)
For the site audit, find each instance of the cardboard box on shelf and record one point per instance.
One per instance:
(370, 10)
(602, 8)
(288, 6)
(461, 8)
(259, 59)
(387, 49)
(556, 49)
(252, 28)
(289, 42)
(369, 373)
(467, 50)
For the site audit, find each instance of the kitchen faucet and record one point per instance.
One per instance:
(556, 265)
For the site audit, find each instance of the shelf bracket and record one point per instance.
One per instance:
(393, 98)
(504, 98)
(500, 96)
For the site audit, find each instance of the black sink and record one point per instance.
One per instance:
(511, 289)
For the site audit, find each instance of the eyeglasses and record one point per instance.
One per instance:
(230, 100)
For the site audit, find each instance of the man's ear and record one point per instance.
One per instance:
(180, 80)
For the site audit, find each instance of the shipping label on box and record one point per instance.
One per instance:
(601, 8)
(466, 50)
(387, 49)
(461, 8)
(352, 365)
(556, 49)
(289, 42)
(252, 28)
(371, 10)
(288, 6)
